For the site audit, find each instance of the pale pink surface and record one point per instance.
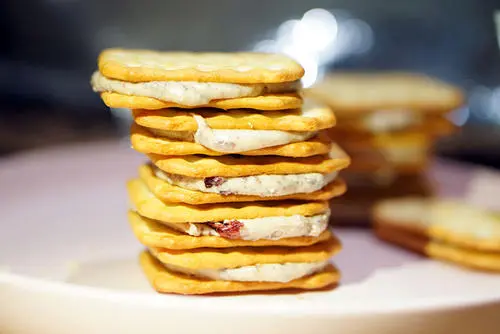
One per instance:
(89, 180)
(67, 255)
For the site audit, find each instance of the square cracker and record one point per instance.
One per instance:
(151, 207)
(154, 234)
(387, 144)
(352, 93)
(146, 142)
(444, 220)
(170, 193)
(470, 258)
(434, 126)
(165, 281)
(264, 102)
(226, 258)
(238, 67)
(312, 117)
(237, 165)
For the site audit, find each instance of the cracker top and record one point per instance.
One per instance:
(349, 93)
(239, 67)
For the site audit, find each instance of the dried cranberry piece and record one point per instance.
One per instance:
(213, 181)
(229, 230)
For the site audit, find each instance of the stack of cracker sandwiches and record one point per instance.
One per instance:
(240, 170)
(388, 122)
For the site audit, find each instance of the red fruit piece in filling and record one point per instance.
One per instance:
(213, 181)
(230, 229)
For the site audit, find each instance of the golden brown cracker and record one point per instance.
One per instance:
(434, 126)
(264, 102)
(239, 67)
(362, 142)
(233, 166)
(366, 159)
(480, 260)
(226, 258)
(145, 142)
(465, 257)
(355, 207)
(165, 281)
(154, 234)
(312, 117)
(353, 93)
(402, 186)
(393, 147)
(407, 139)
(170, 193)
(151, 207)
(447, 221)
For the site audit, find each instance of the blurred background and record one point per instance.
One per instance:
(48, 51)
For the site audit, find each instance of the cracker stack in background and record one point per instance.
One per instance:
(235, 194)
(388, 124)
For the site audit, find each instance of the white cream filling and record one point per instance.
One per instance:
(390, 120)
(236, 141)
(243, 140)
(270, 228)
(273, 272)
(257, 185)
(189, 93)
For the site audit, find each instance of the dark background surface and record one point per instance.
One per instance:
(48, 51)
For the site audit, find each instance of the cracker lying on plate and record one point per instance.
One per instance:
(174, 194)
(166, 281)
(444, 220)
(154, 234)
(151, 207)
(467, 257)
(312, 117)
(243, 67)
(233, 166)
(351, 94)
(263, 102)
(146, 142)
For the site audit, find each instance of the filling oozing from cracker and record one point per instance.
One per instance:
(270, 228)
(235, 141)
(269, 272)
(390, 120)
(257, 185)
(189, 93)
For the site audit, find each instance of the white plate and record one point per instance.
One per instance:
(68, 264)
